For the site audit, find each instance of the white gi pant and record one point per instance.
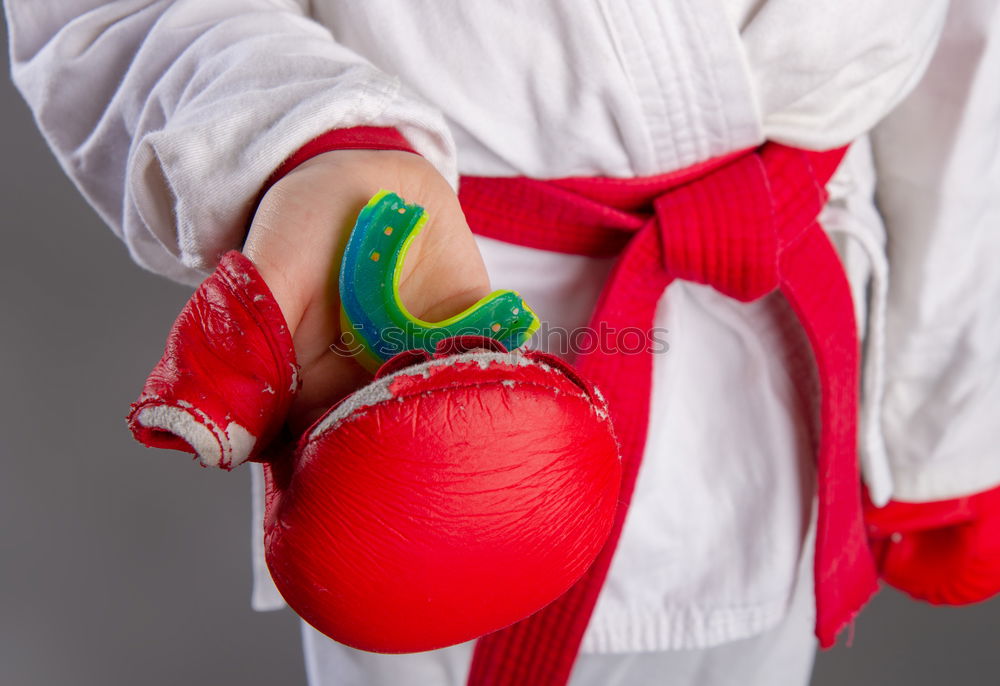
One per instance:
(780, 656)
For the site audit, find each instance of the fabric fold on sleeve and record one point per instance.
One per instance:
(170, 116)
(936, 158)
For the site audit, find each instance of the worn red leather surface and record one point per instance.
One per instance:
(227, 375)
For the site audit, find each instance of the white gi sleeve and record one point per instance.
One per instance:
(169, 116)
(938, 167)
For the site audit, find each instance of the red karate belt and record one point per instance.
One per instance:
(745, 224)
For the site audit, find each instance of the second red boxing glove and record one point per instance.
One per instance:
(945, 552)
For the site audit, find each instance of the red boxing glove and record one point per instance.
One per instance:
(227, 376)
(453, 496)
(448, 499)
(944, 552)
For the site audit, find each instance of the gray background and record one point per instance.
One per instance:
(121, 565)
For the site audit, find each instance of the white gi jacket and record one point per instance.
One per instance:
(170, 116)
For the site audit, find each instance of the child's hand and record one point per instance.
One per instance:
(295, 240)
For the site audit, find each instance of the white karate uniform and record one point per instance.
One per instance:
(169, 117)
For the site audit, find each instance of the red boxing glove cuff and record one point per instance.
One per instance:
(227, 376)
